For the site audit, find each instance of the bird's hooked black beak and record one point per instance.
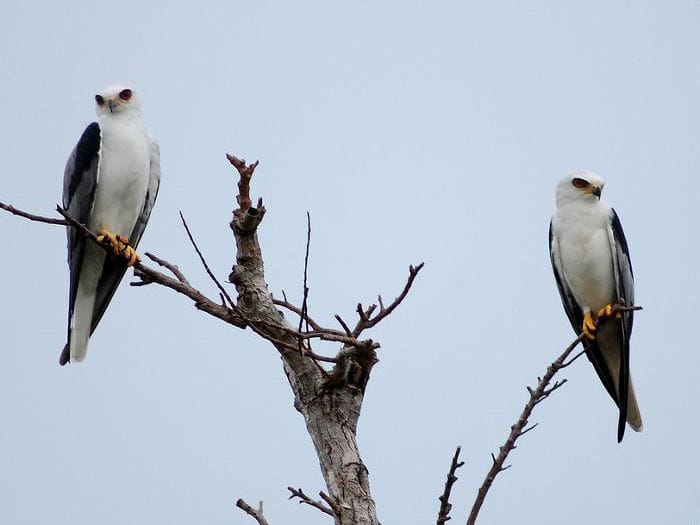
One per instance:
(597, 190)
(111, 105)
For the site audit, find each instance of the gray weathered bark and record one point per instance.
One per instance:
(330, 402)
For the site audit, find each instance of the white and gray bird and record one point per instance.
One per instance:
(593, 271)
(110, 184)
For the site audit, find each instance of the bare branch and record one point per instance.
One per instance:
(517, 429)
(321, 332)
(531, 427)
(255, 513)
(331, 502)
(571, 361)
(284, 303)
(445, 505)
(173, 268)
(304, 303)
(78, 226)
(303, 498)
(343, 324)
(366, 319)
(537, 395)
(325, 334)
(31, 216)
(246, 173)
(206, 266)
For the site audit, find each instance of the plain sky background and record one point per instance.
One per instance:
(411, 131)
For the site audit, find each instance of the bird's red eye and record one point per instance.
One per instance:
(579, 183)
(125, 94)
(100, 101)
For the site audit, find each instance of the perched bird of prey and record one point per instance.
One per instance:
(110, 184)
(592, 268)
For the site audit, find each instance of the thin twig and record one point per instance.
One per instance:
(445, 505)
(318, 331)
(304, 303)
(255, 513)
(31, 216)
(323, 334)
(537, 395)
(343, 324)
(366, 319)
(303, 498)
(307, 350)
(571, 361)
(295, 309)
(206, 266)
(165, 264)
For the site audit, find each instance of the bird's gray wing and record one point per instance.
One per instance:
(115, 267)
(571, 307)
(79, 183)
(151, 195)
(624, 287)
(575, 315)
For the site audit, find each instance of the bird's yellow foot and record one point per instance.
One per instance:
(127, 251)
(589, 326)
(607, 311)
(119, 244)
(107, 237)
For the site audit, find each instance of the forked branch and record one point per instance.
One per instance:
(246, 173)
(445, 505)
(257, 514)
(367, 321)
(303, 498)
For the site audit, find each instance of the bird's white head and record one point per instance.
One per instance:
(582, 186)
(117, 100)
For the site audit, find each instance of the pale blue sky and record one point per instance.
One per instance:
(411, 131)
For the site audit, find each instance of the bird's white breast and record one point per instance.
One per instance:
(586, 256)
(123, 175)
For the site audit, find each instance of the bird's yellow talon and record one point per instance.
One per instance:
(607, 311)
(130, 255)
(119, 244)
(107, 237)
(589, 326)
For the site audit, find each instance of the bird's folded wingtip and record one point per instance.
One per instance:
(65, 356)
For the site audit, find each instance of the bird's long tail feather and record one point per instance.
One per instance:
(81, 322)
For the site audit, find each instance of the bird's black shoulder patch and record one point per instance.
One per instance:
(620, 238)
(87, 149)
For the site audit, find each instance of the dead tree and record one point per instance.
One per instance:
(328, 389)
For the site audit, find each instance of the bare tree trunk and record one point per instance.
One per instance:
(329, 401)
(331, 420)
